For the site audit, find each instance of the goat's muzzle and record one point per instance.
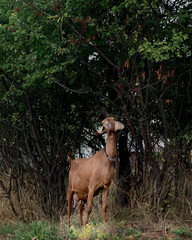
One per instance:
(108, 126)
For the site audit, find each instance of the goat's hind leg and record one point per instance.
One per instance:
(69, 198)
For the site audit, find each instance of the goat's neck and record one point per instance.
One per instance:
(111, 145)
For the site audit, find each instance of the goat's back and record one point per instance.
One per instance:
(85, 167)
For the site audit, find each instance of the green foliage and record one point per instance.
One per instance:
(164, 50)
(35, 230)
(182, 232)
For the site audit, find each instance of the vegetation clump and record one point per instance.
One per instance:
(64, 67)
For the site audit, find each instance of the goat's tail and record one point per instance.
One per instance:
(70, 156)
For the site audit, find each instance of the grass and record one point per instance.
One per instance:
(123, 223)
(44, 230)
(40, 230)
(141, 220)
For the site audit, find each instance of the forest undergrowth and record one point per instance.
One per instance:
(146, 216)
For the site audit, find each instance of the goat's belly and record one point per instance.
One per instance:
(81, 195)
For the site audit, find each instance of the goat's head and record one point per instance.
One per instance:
(110, 124)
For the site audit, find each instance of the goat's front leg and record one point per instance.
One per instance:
(81, 208)
(69, 197)
(104, 204)
(89, 203)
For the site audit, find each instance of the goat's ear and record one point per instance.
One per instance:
(119, 126)
(100, 130)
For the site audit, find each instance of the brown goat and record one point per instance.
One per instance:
(89, 176)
